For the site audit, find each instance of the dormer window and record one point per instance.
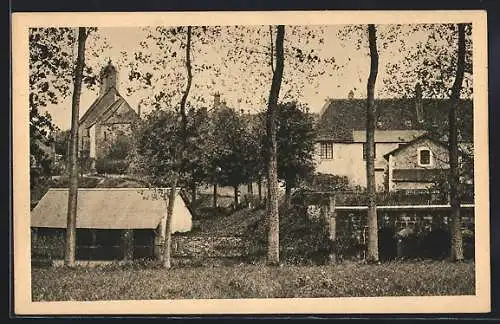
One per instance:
(424, 156)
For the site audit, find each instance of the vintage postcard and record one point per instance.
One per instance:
(329, 162)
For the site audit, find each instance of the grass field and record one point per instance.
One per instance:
(423, 278)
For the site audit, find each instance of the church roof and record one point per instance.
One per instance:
(119, 112)
(101, 111)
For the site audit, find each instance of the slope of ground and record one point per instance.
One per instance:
(233, 224)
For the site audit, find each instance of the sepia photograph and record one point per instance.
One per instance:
(250, 162)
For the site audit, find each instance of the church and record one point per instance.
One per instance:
(109, 117)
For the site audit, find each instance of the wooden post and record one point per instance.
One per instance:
(332, 227)
(128, 244)
(215, 196)
(332, 218)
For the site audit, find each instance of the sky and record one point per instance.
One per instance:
(234, 79)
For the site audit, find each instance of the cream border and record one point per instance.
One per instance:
(438, 304)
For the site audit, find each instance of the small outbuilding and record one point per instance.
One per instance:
(112, 223)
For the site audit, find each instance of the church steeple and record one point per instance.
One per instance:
(108, 77)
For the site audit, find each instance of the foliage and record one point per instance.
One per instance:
(234, 151)
(83, 182)
(51, 64)
(157, 140)
(295, 136)
(252, 281)
(302, 240)
(108, 165)
(325, 182)
(419, 53)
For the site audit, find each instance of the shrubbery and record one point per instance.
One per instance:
(302, 240)
(111, 166)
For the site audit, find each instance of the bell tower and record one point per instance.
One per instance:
(108, 78)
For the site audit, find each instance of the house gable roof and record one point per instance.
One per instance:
(341, 116)
(387, 136)
(413, 142)
(109, 208)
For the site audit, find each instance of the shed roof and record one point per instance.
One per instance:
(105, 208)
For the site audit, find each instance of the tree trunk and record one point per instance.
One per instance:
(236, 197)
(288, 195)
(250, 194)
(259, 187)
(182, 148)
(168, 228)
(193, 192)
(70, 248)
(456, 221)
(272, 176)
(215, 195)
(370, 149)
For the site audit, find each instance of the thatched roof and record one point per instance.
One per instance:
(110, 208)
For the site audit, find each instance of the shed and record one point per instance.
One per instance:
(112, 223)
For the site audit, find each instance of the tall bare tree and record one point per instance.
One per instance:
(456, 233)
(272, 176)
(70, 251)
(370, 147)
(182, 147)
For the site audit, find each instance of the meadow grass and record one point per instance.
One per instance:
(350, 279)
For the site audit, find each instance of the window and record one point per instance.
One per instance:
(424, 157)
(365, 154)
(326, 150)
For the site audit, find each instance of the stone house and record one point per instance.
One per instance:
(109, 117)
(419, 163)
(341, 128)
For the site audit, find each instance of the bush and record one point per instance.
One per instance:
(83, 182)
(326, 182)
(302, 241)
(111, 166)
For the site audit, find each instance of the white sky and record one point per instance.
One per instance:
(352, 76)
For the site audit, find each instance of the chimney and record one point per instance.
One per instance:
(418, 103)
(108, 77)
(350, 95)
(217, 99)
